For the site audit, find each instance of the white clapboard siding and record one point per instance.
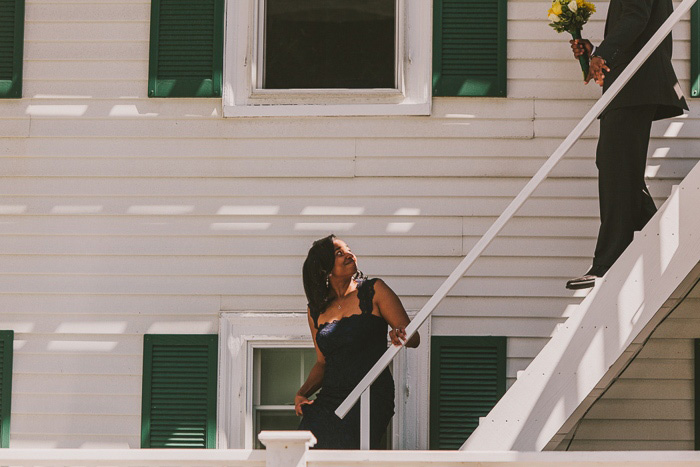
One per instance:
(563, 89)
(107, 325)
(435, 166)
(109, 385)
(110, 304)
(117, 426)
(68, 404)
(50, 343)
(474, 306)
(653, 401)
(356, 209)
(82, 441)
(262, 266)
(138, 284)
(303, 147)
(122, 215)
(247, 191)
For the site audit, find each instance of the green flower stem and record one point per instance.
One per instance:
(583, 59)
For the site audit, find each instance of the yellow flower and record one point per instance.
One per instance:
(556, 8)
(589, 6)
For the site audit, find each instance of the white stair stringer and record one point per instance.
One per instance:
(594, 343)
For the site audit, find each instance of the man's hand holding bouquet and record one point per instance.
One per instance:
(570, 16)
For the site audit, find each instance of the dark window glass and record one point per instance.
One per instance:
(329, 44)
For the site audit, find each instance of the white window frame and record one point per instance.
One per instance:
(242, 332)
(243, 96)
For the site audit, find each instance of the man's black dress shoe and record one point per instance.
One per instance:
(583, 282)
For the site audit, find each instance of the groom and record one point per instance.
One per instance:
(652, 94)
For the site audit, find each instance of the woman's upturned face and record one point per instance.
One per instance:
(345, 262)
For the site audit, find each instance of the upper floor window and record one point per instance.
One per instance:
(327, 57)
(328, 44)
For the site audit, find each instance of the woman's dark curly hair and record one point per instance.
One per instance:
(318, 265)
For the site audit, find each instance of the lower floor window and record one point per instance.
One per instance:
(278, 375)
(265, 359)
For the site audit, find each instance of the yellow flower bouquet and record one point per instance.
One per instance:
(570, 16)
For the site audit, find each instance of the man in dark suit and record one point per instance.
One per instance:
(652, 94)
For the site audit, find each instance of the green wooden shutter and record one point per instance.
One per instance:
(695, 50)
(6, 339)
(469, 48)
(186, 56)
(467, 378)
(178, 409)
(11, 47)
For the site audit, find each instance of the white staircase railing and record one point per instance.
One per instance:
(363, 387)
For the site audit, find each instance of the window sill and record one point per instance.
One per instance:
(330, 110)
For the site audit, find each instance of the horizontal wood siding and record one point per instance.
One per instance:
(122, 215)
(652, 404)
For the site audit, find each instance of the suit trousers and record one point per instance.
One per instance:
(625, 202)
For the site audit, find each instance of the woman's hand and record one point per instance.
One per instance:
(398, 335)
(300, 400)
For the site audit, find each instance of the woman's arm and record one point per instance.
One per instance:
(393, 312)
(313, 381)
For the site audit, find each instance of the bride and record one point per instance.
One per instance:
(348, 316)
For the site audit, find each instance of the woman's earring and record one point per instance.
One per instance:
(328, 284)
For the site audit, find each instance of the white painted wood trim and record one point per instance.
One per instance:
(614, 315)
(480, 459)
(412, 380)
(132, 457)
(241, 98)
(241, 332)
(311, 458)
(327, 110)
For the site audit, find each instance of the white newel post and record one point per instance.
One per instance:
(286, 448)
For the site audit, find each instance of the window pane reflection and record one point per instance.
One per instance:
(327, 44)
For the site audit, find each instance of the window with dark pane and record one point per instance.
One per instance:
(330, 44)
(467, 378)
(6, 343)
(11, 47)
(179, 391)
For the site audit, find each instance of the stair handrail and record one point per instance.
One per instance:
(362, 388)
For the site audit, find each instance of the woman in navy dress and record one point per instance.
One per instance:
(348, 317)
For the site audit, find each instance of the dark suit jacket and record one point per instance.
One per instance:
(629, 25)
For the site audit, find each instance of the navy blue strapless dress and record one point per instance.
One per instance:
(351, 346)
